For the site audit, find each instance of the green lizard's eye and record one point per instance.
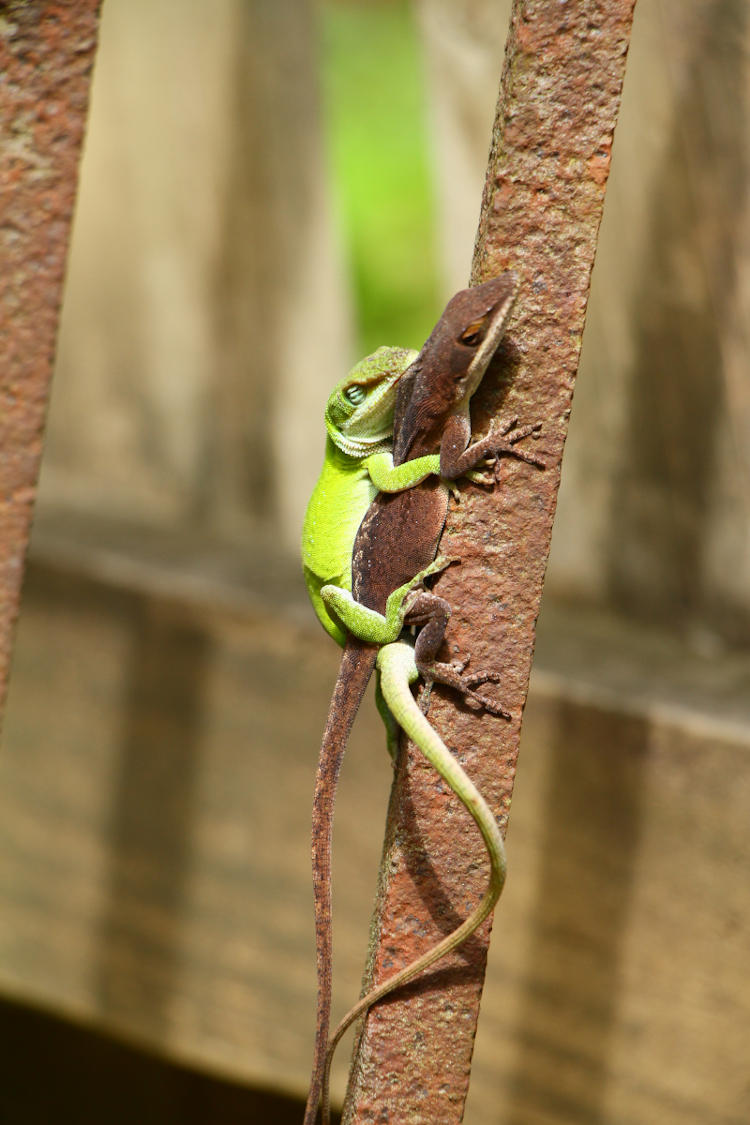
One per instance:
(354, 394)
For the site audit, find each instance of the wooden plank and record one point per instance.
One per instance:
(154, 873)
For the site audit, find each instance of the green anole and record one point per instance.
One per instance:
(395, 546)
(358, 464)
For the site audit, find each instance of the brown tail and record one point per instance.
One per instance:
(357, 663)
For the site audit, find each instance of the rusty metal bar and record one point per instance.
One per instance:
(46, 56)
(543, 199)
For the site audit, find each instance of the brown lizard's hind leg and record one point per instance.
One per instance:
(432, 613)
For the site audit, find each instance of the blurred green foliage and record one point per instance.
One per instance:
(374, 98)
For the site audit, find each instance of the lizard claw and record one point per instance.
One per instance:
(483, 702)
(424, 699)
(513, 433)
(452, 676)
(506, 426)
(481, 478)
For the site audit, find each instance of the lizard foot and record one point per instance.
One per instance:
(513, 433)
(487, 479)
(441, 563)
(480, 474)
(451, 676)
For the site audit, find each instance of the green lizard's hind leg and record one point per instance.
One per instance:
(368, 625)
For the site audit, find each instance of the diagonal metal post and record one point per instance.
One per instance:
(541, 210)
(46, 55)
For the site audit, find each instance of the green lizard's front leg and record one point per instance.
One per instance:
(398, 670)
(367, 624)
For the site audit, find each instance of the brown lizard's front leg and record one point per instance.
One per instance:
(459, 457)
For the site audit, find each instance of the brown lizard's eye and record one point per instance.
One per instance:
(472, 335)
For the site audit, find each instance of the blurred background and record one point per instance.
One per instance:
(270, 190)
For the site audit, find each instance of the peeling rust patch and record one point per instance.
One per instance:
(541, 210)
(46, 55)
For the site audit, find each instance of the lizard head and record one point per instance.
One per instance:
(359, 411)
(473, 323)
(452, 363)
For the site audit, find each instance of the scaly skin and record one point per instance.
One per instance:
(358, 464)
(395, 545)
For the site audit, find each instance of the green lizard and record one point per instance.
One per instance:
(358, 464)
(396, 546)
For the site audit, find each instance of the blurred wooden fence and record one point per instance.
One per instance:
(168, 686)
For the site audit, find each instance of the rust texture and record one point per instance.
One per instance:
(544, 194)
(46, 56)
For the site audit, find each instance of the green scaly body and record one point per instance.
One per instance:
(358, 464)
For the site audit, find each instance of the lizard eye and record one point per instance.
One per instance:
(472, 335)
(354, 394)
